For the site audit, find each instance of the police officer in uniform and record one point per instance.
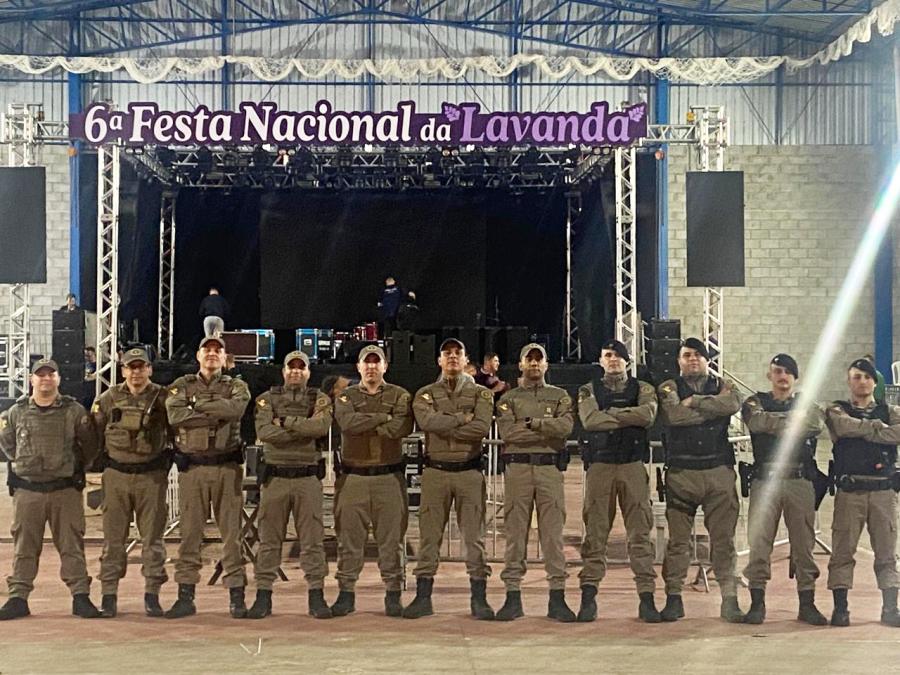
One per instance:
(865, 436)
(374, 416)
(131, 421)
(205, 411)
(47, 439)
(782, 488)
(290, 420)
(616, 410)
(697, 408)
(534, 421)
(455, 414)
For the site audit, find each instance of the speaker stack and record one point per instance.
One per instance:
(663, 344)
(68, 350)
(399, 347)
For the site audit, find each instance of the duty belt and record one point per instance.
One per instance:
(16, 483)
(374, 470)
(294, 471)
(765, 471)
(161, 463)
(863, 484)
(536, 458)
(474, 463)
(698, 462)
(185, 461)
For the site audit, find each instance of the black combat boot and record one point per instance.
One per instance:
(808, 610)
(757, 613)
(421, 604)
(557, 607)
(184, 605)
(262, 605)
(109, 606)
(392, 604)
(478, 603)
(83, 607)
(152, 606)
(345, 604)
(841, 614)
(588, 610)
(673, 610)
(512, 608)
(647, 611)
(315, 601)
(236, 603)
(889, 614)
(730, 611)
(15, 608)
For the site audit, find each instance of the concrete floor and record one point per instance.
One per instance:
(52, 641)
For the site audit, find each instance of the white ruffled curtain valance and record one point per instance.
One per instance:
(704, 71)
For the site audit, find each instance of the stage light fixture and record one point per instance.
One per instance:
(205, 160)
(261, 157)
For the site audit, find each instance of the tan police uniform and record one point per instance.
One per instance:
(134, 433)
(206, 416)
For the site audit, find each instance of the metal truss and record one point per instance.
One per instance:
(627, 319)
(17, 128)
(108, 171)
(381, 168)
(165, 328)
(630, 27)
(572, 342)
(712, 136)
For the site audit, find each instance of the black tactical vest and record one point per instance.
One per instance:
(621, 446)
(764, 445)
(699, 446)
(859, 457)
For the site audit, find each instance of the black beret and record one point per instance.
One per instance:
(866, 366)
(787, 362)
(696, 345)
(617, 347)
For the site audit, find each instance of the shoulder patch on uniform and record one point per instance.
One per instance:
(666, 389)
(404, 398)
(836, 408)
(566, 400)
(426, 396)
(261, 402)
(174, 391)
(503, 406)
(486, 394)
(85, 420)
(343, 398)
(751, 403)
(96, 407)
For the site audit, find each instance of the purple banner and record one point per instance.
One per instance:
(456, 124)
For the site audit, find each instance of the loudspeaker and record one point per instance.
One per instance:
(660, 374)
(68, 347)
(715, 228)
(663, 351)
(64, 320)
(512, 339)
(70, 374)
(424, 350)
(665, 329)
(23, 225)
(399, 347)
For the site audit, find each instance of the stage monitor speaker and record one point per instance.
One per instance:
(424, 350)
(715, 228)
(664, 329)
(65, 320)
(512, 339)
(23, 225)
(399, 347)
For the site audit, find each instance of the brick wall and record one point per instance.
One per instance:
(805, 210)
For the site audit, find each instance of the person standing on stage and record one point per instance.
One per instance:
(534, 421)
(134, 432)
(290, 421)
(205, 411)
(455, 414)
(788, 488)
(214, 311)
(374, 417)
(616, 410)
(389, 306)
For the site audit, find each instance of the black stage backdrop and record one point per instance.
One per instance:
(300, 258)
(325, 256)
